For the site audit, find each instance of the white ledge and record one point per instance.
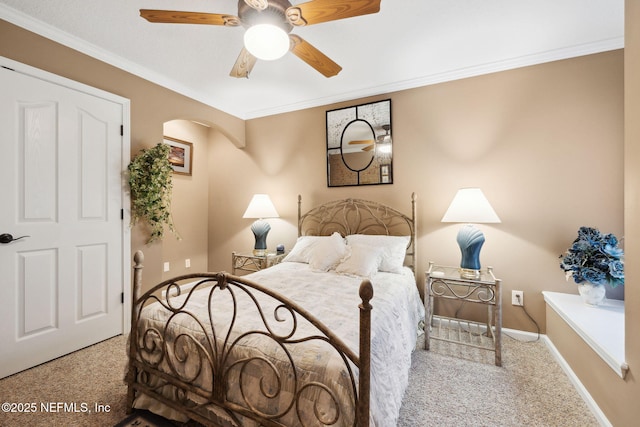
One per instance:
(601, 327)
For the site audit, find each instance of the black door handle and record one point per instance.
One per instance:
(8, 238)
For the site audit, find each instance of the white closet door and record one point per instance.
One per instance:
(62, 187)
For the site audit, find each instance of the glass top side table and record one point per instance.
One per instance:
(248, 262)
(444, 282)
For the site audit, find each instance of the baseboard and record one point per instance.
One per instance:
(577, 384)
(521, 335)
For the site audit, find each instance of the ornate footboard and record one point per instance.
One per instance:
(191, 349)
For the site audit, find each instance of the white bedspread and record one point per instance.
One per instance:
(333, 299)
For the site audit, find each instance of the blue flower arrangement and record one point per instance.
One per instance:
(594, 258)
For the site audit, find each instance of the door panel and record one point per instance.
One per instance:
(94, 145)
(37, 310)
(92, 282)
(63, 154)
(36, 172)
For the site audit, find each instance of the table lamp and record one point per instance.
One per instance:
(470, 206)
(260, 207)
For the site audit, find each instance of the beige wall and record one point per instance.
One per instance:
(611, 393)
(545, 143)
(616, 397)
(151, 106)
(632, 197)
(190, 204)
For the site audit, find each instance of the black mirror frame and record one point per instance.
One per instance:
(378, 171)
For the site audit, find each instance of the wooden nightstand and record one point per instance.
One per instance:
(446, 283)
(249, 263)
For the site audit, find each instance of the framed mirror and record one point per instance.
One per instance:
(359, 145)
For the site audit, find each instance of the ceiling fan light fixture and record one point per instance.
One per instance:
(385, 147)
(266, 41)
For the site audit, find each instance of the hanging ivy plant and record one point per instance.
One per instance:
(150, 182)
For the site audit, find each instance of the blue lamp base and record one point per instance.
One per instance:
(260, 230)
(470, 240)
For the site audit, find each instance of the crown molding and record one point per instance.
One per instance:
(447, 76)
(55, 34)
(45, 30)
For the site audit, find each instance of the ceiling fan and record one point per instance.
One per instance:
(278, 17)
(368, 143)
(381, 140)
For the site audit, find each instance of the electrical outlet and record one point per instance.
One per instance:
(517, 298)
(166, 266)
(187, 263)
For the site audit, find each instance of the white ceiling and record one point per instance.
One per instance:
(409, 43)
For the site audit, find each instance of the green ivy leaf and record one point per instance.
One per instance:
(150, 181)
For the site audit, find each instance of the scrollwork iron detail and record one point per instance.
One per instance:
(201, 359)
(357, 216)
(478, 293)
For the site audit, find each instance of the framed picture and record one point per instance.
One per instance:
(180, 155)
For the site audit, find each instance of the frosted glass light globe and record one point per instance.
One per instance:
(266, 41)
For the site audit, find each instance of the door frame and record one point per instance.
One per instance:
(28, 70)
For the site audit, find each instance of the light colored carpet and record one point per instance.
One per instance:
(450, 386)
(91, 376)
(453, 385)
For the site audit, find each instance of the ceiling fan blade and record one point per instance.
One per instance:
(368, 148)
(312, 56)
(244, 64)
(178, 17)
(257, 4)
(317, 11)
(361, 141)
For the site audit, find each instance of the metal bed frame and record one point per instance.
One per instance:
(152, 346)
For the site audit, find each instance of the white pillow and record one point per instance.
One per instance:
(301, 251)
(327, 253)
(362, 261)
(394, 249)
(322, 252)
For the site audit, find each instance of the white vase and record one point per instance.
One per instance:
(591, 294)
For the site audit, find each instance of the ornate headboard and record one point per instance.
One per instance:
(356, 216)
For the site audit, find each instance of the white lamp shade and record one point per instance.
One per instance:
(471, 206)
(260, 206)
(266, 41)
